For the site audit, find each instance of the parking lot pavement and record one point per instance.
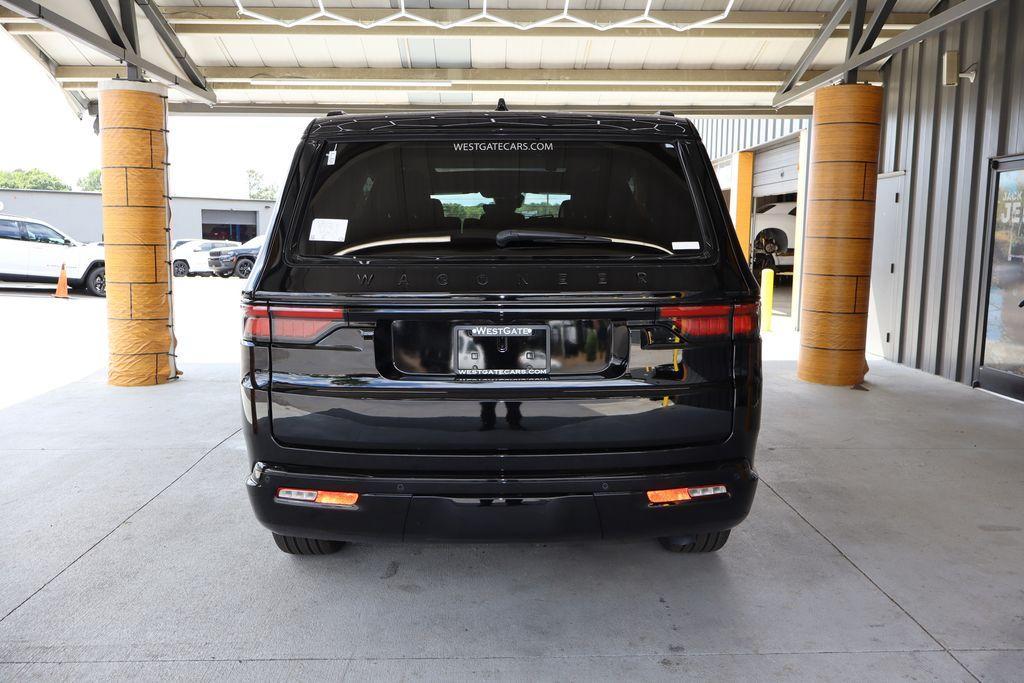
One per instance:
(885, 543)
(48, 343)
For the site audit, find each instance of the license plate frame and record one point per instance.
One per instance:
(498, 345)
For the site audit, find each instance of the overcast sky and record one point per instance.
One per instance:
(209, 155)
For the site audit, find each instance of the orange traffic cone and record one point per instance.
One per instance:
(62, 284)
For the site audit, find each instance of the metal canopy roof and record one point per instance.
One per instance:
(212, 54)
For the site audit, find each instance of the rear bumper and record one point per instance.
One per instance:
(482, 510)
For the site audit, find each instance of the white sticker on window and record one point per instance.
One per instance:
(331, 156)
(328, 230)
(685, 246)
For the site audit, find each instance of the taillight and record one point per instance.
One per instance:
(256, 323)
(746, 320)
(288, 323)
(712, 322)
(302, 324)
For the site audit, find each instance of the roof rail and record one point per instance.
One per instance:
(336, 112)
(501, 105)
(666, 113)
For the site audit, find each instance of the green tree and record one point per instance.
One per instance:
(90, 182)
(257, 188)
(31, 179)
(463, 211)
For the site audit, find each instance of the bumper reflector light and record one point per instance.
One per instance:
(683, 494)
(339, 498)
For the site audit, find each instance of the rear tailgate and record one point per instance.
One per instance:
(415, 380)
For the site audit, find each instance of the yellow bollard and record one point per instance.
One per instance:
(665, 402)
(767, 294)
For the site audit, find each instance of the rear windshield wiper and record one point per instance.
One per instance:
(511, 237)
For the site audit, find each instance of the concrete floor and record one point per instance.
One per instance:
(885, 543)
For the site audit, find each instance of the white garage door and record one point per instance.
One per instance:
(775, 168)
(229, 217)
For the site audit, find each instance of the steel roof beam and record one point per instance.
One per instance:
(540, 86)
(875, 25)
(407, 31)
(131, 29)
(496, 88)
(828, 27)
(170, 40)
(63, 25)
(935, 24)
(857, 11)
(255, 76)
(737, 19)
(110, 22)
(322, 109)
(413, 31)
(214, 21)
(129, 23)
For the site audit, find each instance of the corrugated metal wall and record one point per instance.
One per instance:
(943, 137)
(723, 135)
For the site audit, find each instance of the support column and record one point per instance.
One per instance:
(133, 123)
(839, 229)
(741, 198)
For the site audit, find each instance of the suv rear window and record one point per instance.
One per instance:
(502, 198)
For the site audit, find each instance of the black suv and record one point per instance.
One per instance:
(236, 260)
(501, 326)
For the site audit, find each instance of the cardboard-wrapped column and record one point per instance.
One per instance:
(136, 236)
(840, 225)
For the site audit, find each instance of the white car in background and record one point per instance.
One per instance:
(32, 250)
(774, 233)
(192, 257)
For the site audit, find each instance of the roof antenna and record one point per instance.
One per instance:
(501, 105)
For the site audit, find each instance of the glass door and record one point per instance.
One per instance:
(1002, 360)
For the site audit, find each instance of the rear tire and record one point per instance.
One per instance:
(243, 268)
(698, 543)
(96, 281)
(180, 268)
(293, 545)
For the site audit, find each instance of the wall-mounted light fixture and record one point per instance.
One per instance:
(951, 73)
